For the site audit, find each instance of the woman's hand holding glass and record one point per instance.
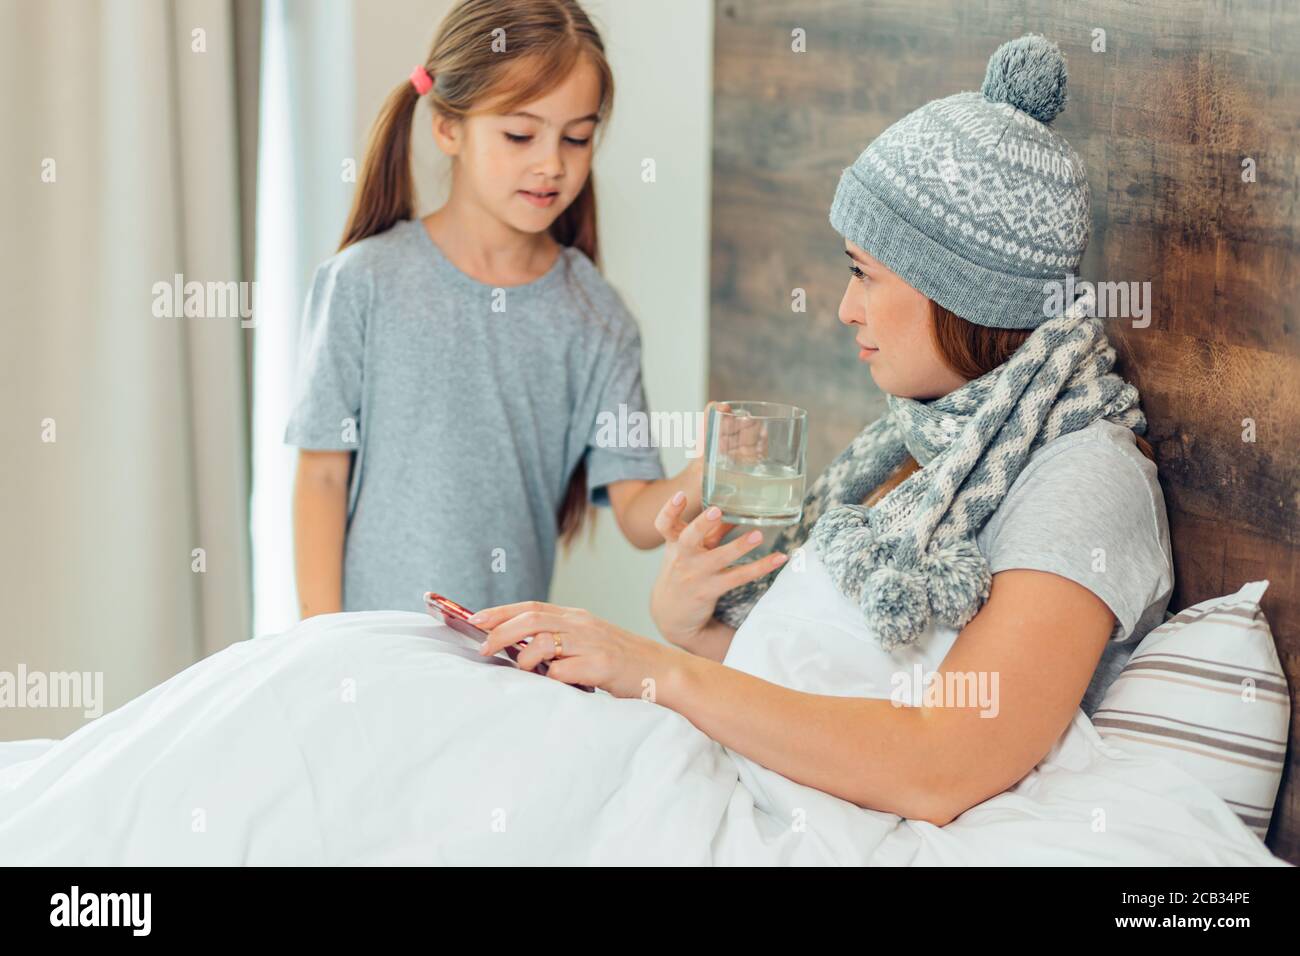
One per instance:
(695, 570)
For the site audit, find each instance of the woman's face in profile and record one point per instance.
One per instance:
(894, 319)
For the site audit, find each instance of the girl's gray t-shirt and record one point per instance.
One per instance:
(467, 407)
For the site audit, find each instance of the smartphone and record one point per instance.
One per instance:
(456, 617)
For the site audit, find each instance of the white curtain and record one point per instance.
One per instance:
(305, 183)
(120, 169)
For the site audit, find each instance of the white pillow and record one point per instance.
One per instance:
(1205, 691)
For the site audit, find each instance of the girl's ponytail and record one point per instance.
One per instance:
(386, 193)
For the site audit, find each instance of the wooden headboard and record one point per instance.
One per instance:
(1189, 123)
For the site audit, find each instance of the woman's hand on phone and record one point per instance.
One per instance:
(596, 653)
(695, 571)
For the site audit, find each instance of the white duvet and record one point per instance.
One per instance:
(356, 739)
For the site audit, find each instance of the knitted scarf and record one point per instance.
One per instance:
(912, 557)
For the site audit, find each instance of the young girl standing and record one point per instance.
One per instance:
(455, 366)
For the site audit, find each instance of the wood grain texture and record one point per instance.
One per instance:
(1185, 91)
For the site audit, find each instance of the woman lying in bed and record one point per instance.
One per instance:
(1036, 526)
(1000, 527)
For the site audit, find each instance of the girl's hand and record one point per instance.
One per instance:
(595, 652)
(695, 571)
(739, 440)
(693, 473)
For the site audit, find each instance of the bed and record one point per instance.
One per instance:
(367, 738)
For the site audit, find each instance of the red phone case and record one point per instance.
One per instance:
(456, 617)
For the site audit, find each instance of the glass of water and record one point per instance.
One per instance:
(754, 462)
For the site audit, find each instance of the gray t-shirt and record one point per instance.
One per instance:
(1088, 506)
(468, 408)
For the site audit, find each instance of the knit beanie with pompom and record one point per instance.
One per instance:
(973, 199)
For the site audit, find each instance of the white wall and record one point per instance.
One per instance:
(654, 236)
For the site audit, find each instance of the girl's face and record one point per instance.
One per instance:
(896, 331)
(527, 166)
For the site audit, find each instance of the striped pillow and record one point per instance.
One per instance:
(1206, 692)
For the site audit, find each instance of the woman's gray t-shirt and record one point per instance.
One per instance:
(1085, 506)
(1088, 506)
(468, 408)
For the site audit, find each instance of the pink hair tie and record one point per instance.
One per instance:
(421, 80)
